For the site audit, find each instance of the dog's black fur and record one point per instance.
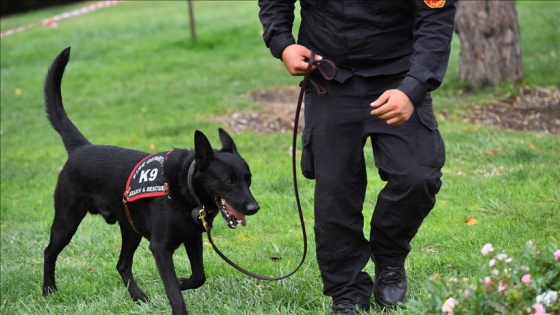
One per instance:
(94, 178)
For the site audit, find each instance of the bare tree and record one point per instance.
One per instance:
(490, 43)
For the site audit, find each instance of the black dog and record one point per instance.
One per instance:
(160, 200)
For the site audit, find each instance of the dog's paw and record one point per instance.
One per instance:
(140, 297)
(190, 283)
(49, 289)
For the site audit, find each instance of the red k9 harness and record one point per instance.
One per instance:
(146, 180)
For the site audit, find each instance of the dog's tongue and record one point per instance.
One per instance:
(236, 214)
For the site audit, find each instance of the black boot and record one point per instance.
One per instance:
(348, 308)
(389, 287)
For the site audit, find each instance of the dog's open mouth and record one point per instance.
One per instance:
(231, 216)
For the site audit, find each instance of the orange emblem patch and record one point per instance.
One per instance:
(435, 4)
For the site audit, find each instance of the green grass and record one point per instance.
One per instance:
(135, 79)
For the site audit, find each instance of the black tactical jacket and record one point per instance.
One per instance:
(369, 37)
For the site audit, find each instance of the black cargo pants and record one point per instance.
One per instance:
(409, 159)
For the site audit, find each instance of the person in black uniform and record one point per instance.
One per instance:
(389, 56)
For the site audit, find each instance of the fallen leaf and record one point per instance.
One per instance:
(471, 221)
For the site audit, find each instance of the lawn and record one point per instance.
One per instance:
(136, 79)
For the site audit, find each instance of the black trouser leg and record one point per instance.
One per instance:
(334, 135)
(409, 158)
(342, 249)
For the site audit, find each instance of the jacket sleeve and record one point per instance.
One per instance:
(277, 19)
(432, 46)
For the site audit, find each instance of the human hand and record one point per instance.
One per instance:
(295, 58)
(393, 106)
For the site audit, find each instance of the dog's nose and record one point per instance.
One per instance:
(252, 208)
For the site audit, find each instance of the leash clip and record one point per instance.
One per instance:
(202, 217)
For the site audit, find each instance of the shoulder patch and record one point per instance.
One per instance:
(147, 179)
(435, 4)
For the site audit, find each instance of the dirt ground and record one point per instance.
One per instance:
(534, 110)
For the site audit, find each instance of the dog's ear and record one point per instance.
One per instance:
(203, 152)
(227, 142)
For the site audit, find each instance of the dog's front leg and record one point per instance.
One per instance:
(194, 252)
(166, 268)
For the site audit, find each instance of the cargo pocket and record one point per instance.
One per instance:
(431, 150)
(307, 158)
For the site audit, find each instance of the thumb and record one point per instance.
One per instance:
(382, 99)
(307, 54)
(318, 57)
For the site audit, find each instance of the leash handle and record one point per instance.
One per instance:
(303, 85)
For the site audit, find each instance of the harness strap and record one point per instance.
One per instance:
(127, 210)
(129, 216)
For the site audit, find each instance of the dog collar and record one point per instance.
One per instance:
(190, 177)
(198, 214)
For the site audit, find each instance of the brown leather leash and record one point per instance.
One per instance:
(320, 91)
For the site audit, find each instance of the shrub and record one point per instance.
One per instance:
(528, 284)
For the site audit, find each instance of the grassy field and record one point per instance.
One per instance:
(135, 79)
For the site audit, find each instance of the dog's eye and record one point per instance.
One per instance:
(230, 180)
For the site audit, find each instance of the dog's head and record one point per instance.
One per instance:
(223, 178)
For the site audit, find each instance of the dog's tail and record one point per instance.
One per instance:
(54, 108)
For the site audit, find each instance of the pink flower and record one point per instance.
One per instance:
(487, 249)
(501, 257)
(448, 306)
(466, 293)
(526, 278)
(539, 309)
(487, 281)
(492, 262)
(557, 255)
(501, 286)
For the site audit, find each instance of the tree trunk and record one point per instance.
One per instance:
(191, 20)
(490, 46)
